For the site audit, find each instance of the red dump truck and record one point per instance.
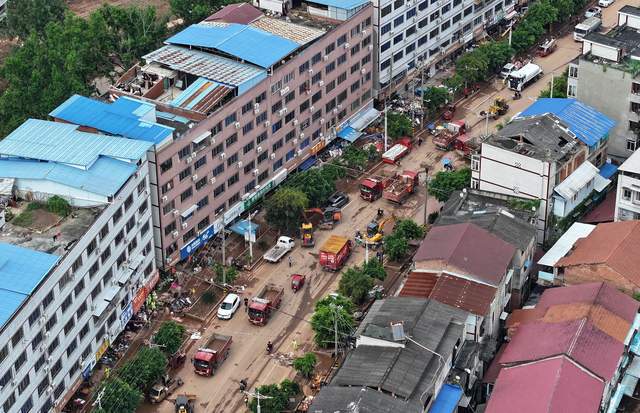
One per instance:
(264, 303)
(335, 252)
(397, 151)
(401, 187)
(211, 356)
(371, 189)
(445, 136)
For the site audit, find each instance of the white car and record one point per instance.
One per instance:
(593, 12)
(228, 307)
(605, 3)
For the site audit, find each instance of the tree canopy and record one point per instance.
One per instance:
(118, 397)
(285, 209)
(279, 396)
(170, 336)
(374, 269)
(355, 284)
(407, 228)
(193, 11)
(26, 16)
(324, 316)
(445, 183)
(144, 369)
(305, 364)
(398, 125)
(559, 87)
(396, 246)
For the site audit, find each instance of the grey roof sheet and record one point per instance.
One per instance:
(332, 399)
(629, 9)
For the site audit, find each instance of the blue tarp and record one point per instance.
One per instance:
(585, 122)
(447, 399)
(242, 227)
(349, 134)
(307, 163)
(608, 170)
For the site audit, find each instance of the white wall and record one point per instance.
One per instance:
(625, 209)
(37, 189)
(610, 53)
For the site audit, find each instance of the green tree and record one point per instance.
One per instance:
(355, 284)
(26, 16)
(278, 397)
(543, 12)
(328, 311)
(118, 397)
(229, 276)
(314, 184)
(285, 209)
(58, 205)
(398, 125)
(395, 246)
(374, 269)
(193, 11)
(170, 336)
(472, 67)
(305, 364)
(332, 172)
(144, 370)
(435, 97)
(559, 87)
(497, 54)
(445, 183)
(354, 157)
(408, 229)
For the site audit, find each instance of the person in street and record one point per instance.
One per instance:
(419, 141)
(243, 384)
(294, 344)
(246, 304)
(269, 347)
(290, 261)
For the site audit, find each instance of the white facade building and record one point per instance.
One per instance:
(628, 192)
(576, 188)
(69, 289)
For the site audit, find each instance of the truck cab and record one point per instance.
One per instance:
(203, 362)
(370, 189)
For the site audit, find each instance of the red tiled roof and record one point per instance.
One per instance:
(464, 294)
(604, 212)
(419, 284)
(469, 248)
(599, 293)
(578, 339)
(615, 244)
(555, 385)
(241, 13)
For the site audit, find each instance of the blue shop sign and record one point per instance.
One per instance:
(126, 315)
(198, 241)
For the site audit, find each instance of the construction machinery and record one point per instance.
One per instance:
(184, 403)
(375, 231)
(498, 108)
(306, 234)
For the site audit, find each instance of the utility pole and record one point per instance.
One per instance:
(426, 191)
(224, 256)
(335, 309)
(551, 90)
(250, 239)
(385, 126)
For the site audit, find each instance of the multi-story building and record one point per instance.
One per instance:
(69, 283)
(3, 9)
(251, 98)
(628, 191)
(604, 76)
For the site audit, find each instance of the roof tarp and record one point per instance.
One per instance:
(242, 227)
(447, 399)
(608, 170)
(349, 134)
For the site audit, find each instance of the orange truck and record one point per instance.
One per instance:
(335, 252)
(401, 187)
(208, 358)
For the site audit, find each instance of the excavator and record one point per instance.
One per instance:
(329, 217)
(375, 230)
(498, 108)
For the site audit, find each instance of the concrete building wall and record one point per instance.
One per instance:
(627, 197)
(283, 149)
(586, 273)
(35, 372)
(609, 91)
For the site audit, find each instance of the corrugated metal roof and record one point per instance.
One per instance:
(332, 399)
(242, 13)
(555, 385)
(124, 117)
(207, 65)
(607, 170)
(608, 322)
(341, 4)
(419, 284)
(469, 248)
(579, 179)
(21, 270)
(564, 244)
(294, 32)
(104, 177)
(244, 42)
(202, 95)
(585, 122)
(63, 143)
(464, 294)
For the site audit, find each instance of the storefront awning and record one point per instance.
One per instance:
(243, 227)
(363, 119)
(349, 134)
(307, 163)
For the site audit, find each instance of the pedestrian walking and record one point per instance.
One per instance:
(294, 344)
(246, 304)
(290, 261)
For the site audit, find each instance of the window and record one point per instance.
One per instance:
(51, 322)
(264, 175)
(631, 145)
(261, 118)
(6, 378)
(203, 224)
(290, 154)
(342, 59)
(232, 159)
(330, 86)
(317, 115)
(277, 145)
(316, 78)
(169, 207)
(316, 58)
(276, 126)
(303, 67)
(276, 107)
(230, 119)
(277, 164)
(55, 370)
(572, 91)
(410, 31)
(217, 150)
(248, 147)
(201, 183)
(355, 67)
(203, 202)
(200, 162)
(247, 107)
(219, 190)
(218, 170)
(342, 77)
(397, 4)
(248, 187)
(231, 140)
(233, 179)
(11, 400)
(355, 86)
(72, 347)
(47, 300)
(248, 127)
(290, 135)
(355, 49)
(117, 215)
(330, 67)
(37, 339)
(263, 157)
(261, 97)
(304, 106)
(626, 194)
(290, 116)
(186, 194)
(185, 173)
(34, 316)
(385, 10)
(144, 229)
(81, 310)
(261, 138)
(385, 29)
(66, 303)
(15, 340)
(341, 40)
(248, 167)
(398, 21)
(23, 357)
(316, 97)
(385, 47)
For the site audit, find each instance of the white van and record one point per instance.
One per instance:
(590, 25)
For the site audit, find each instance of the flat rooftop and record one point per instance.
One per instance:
(541, 137)
(620, 37)
(44, 231)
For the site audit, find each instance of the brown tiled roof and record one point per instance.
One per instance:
(524, 315)
(468, 248)
(603, 319)
(241, 13)
(464, 294)
(419, 284)
(615, 244)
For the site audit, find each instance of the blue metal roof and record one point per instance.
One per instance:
(349, 134)
(341, 4)
(21, 270)
(608, 170)
(447, 399)
(585, 122)
(63, 143)
(243, 227)
(124, 117)
(242, 41)
(104, 177)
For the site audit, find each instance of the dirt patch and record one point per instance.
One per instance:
(83, 8)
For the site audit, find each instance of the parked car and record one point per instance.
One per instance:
(338, 200)
(507, 69)
(228, 306)
(605, 3)
(593, 12)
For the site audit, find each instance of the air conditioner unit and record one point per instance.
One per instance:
(194, 154)
(312, 108)
(267, 123)
(321, 83)
(256, 106)
(321, 135)
(223, 155)
(240, 164)
(363, 70)
(175, 234)
(347, 45)
(284, 91)
(282, 111)
(213, 180)
(237, 125)
(256, 111)
(167, 260)
(325, 57)
(175, 212)
(311, 71)
(339, 105)
(164, 198)
(370, 47)
(295, 141)
(194, 178)
(364, 33)
(169, 186)
(189, 159)
(184, 225)
(259, 149)
(322, 121)
(256, 172)
(298, 152)
(295, 122)
(47, 334)
(301, 135)
(335, 110)
(272, 156)
(42, 320)
(308, 91)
